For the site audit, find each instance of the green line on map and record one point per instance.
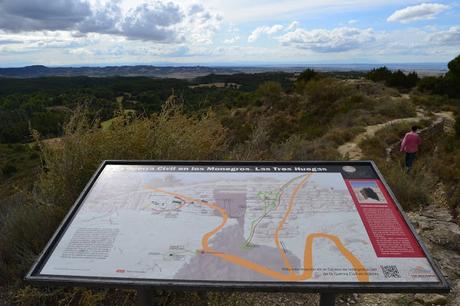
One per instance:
(272, 200)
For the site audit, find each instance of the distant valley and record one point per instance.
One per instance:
(190, 72)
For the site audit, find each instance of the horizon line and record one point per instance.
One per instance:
(228, 65)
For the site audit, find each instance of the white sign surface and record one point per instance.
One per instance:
(151, 222)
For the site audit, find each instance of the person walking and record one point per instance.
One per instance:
(410, 145)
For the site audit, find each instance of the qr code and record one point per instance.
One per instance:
(390, 271)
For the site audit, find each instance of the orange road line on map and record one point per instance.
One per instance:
(360, 270)
(283, 220)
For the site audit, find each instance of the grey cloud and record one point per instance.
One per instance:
(449, 37)
(103, 21)
(196, 8)
(9, 41)
(153, 22)
(33, 15)
(158, 21)
(322, 40)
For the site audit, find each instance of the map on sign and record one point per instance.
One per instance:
(239, 223)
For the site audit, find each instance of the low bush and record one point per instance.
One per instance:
(411, 189)
(168, 135)
(445, 165)
(24, 231)
(396, 109)
(340, 136)
(256, 147)
(457, 126)
(8, 169)
(298, 148)
(269, 93)
(323, 92)
(45, 296)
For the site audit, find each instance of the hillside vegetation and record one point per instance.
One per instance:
(270, 117)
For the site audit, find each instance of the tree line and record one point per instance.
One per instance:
(447, 84)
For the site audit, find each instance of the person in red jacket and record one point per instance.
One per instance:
(410, 145)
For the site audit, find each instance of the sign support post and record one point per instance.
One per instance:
(144, 297)
(327, 299)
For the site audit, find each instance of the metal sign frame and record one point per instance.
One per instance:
(34, 275)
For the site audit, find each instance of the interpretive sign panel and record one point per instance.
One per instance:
(310, 225)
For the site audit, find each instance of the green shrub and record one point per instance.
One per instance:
(42, 297)
(396, 109)
(22, 237)
(297, 148)
(45, 296)
(340, 136)
(457, 126)
(354, 101)
(325, 91)
(8, 169)
(256, 147)
(413, 189)
(19, 148)
(34, 155)
(307, 75)
(445, 165)
(269, 93)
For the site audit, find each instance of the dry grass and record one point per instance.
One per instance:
(340, 136)
(411, 189)
(168, 135)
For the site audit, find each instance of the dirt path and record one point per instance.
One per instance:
(354, 152)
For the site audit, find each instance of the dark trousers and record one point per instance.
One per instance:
(410, 157)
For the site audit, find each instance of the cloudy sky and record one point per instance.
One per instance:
(111, 32)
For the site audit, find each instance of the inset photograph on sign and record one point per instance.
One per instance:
(368, 192)
(305, 223)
